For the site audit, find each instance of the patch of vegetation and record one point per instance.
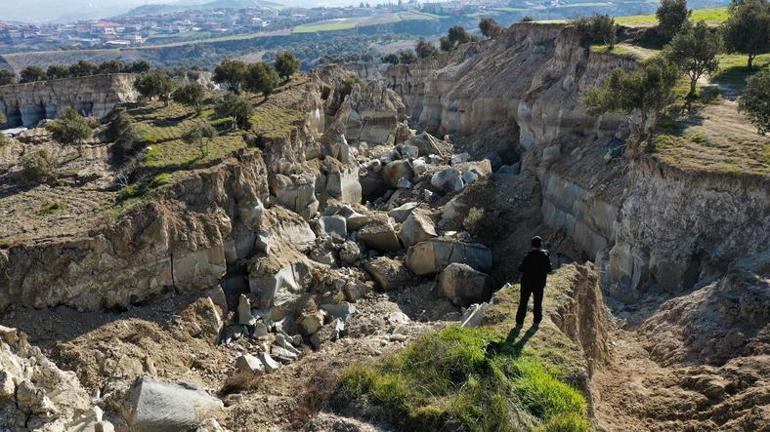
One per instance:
(471, 222)
(480, 379)
(50, 208)
(336, 25)
(274, 121)
(712, 16)
(39, 166)
(733, 71)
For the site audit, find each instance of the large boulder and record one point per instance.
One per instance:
(448, 180)
(463, 285)
(380, 236)
(390, 274)
(396, 170)
(277, 285)
(417, 228)
(343, 183)
(156, 406)
(432, 256)
(297, 193)
(400, 213)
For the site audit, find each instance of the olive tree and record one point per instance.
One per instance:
(237, 108)
(261, 78)
(7, 77)
(648, 89)
(57, 71)
(32, 74)
(230, 73)
(286, 64)
(191, 94)
(672, 15)
(694, 50)
(600, 28)
(70, 128)
(490, 28)
(747, 30)
(755, 101)
(425, 49)
(155, 84)
(200, 134)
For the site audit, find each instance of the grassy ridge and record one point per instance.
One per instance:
(351, 23)
(482, 379)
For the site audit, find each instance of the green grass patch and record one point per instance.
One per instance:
(733, 71)
(713, 16)
(274, 121)
(617, 49)
(51, 208)
(481, 379)
(336, 25)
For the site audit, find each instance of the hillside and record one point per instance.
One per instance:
(163, 9)
(348, 260)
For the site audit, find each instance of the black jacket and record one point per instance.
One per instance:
(534, 268)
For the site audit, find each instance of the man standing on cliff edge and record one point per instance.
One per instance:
(534, 270)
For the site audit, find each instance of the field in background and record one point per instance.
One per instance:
(351, 23)
(712, 16)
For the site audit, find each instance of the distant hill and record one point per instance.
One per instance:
(162, 9)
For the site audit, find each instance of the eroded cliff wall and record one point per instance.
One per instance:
(646, 223)
(27, 104)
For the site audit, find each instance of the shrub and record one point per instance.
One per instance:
(472, 221)
(600, 28)
(231, 73)
(755, 102)
(200, 134)
(7, 77)
(390, 58)
(286, 64)
(32, 74)
(70, 128)
(236, 107)
(490, 28)
(39, 166)
(407, 57)
(425, 49)
(57, 71)
(83, 68)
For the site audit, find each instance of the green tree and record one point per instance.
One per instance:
(407, 57)
(39, 166)
(32, 74)
(111, 67)
(649, 89)
(83, 68)
(286, 64)
(70, 128)
(155, 84)
(57, 71)
(231, 73)
(261, 78)
(425, 49)
(490, 28)
(694, 50)
(191, 95)
(755, 101)
(390, 58)
(445, 44)
(747, 30)
(600, 28)
(7, 77)
(140, 66)
(236, 107)
(457, 35)
(672, 15)
(200, 134)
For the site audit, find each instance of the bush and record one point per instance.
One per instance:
(155, 84)
(191, 95)
(600, 28)
(236, 107)
(261, 78)
(32, 74)
(70, 128)
(407, 57)
(390, 58)
(755, 102)
(425, 49)
(39, 166)
(672, 16)
(7, 77)
(472, 221)
(490, 28)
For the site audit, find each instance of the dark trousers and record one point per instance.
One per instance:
(526, 291)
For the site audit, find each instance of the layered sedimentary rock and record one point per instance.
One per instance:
(208, 219)
(27, 104)
(644, 222)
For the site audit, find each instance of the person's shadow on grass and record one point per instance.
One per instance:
(510, 345)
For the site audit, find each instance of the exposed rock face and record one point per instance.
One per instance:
(36, 394)
(27, 104)
(152, 248)
(159, 407)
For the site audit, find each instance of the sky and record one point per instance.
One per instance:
(72, 10)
